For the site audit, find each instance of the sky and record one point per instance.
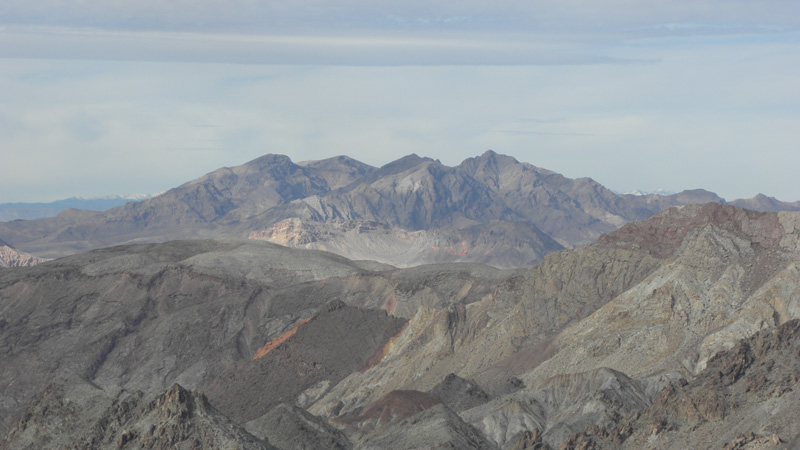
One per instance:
(103, 97)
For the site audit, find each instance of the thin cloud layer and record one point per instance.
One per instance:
(325, 15)
(372, 32)
(396, 50)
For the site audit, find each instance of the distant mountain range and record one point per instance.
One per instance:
(30, 211)
(491, 209)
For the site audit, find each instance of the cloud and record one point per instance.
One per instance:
(292, 16)
(356, 50)
(635, 94)
(378, 32)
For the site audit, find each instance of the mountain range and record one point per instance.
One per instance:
(536, 312)
(30, 211)
(490, 209)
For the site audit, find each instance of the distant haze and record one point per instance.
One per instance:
(30, 211)
(100, 98)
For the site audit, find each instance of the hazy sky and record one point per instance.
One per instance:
(103, 97)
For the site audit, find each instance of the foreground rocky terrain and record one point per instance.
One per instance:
(490, 209)
(145, 317)
(679, 331)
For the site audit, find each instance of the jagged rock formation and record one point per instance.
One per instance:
(176, 418)
(747, 397)
(489, 209)
(12, 258)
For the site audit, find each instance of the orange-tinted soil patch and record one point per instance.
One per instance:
(269, 346)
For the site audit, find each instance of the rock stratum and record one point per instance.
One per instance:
(490, 209)
(678, 331)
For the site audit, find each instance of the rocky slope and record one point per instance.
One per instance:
(144, 317)
(650, 302)
(678, 331)
(728, 273)
(500, 244)
(490, 209)
(334, 343)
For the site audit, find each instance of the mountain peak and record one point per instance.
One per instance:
(340, 160)
(488, 155)
(266, 161)
(271, 158)
(662, 234)
(763, 202)
(403, 164)
(488, 158)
